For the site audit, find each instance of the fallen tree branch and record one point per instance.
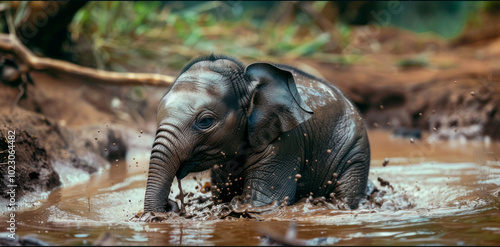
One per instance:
(29, 62)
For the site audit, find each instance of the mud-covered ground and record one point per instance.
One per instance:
(63, 125)
(437, 193)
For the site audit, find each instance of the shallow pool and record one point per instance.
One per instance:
(440, 193)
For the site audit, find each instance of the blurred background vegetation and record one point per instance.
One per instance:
(414, 64)
(162, 36)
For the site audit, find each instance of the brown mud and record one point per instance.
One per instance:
(423, 83)
(65, 125)
(434, 197)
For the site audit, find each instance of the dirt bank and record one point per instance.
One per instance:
(66, 126)
(428, 84)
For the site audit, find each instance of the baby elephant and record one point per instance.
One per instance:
(269, 133)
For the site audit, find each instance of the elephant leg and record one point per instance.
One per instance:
(352, 184)
(269, 182)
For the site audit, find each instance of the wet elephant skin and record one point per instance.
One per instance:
(268, 132)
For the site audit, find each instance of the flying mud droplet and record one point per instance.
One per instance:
(349, 162)
(375, 125)
(96, 138)
(329, 182)
(381, 106)
(98, 131)
(216, 167)
(114, 143)
(335, 175)
(472, 93)
(141, 131)
(116, 160)
(329, 151)
(298, 176)
(386, 161)
(272, 187)
(388, 123)
(420, 114)
(434, 129)
(412, 140)
(305, 135)
(332, 195)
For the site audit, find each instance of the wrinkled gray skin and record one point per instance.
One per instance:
(257, 127)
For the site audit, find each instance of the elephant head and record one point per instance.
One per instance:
(214, 106)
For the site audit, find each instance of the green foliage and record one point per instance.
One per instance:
(127, 35)
(158, 37)
(491, 7)
(418, 61)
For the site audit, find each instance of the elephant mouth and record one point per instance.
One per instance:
(185, 169)
(197, 165)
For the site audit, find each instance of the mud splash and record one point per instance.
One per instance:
(429, 193)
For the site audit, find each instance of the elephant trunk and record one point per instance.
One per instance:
(163, 166)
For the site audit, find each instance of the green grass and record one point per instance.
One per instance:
(129, 35)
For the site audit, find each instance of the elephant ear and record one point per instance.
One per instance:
(276, 105)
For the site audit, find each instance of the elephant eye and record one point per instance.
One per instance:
(205, 122)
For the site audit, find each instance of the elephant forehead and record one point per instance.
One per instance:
(186, 101)
(221, 66)
(202, 82)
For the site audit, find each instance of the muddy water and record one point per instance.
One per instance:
(440, 193)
